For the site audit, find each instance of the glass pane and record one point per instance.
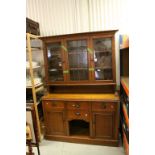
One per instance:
(103, 58)
(78, 61)
(55, 70)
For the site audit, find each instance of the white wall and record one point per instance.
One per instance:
(72, 16)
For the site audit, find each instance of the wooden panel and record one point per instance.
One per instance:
(103, 125)
(78, 105)
(55, 123)
(124, 62)
(78, 114)
(53, 105)
(103, 106)
(82, 89)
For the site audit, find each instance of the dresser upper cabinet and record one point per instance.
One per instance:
(82, 58)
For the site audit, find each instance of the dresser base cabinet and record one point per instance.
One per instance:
(82, 118)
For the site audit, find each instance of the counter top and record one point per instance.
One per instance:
(85, 97)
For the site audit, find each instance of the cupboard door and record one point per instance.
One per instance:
(78, 59)
(103, 125)
(54, 123)
(102, 58)
(55, 61)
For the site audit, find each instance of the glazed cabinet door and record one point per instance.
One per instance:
(103, 61)
(103, 125)
(78, 59)
(54, 121)
(54, 61)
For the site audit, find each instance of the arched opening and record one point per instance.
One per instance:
(79, 128)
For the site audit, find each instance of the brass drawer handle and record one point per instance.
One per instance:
(77, 113)
(77, 105)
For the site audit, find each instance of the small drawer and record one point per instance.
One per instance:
(78, 114)
(53, 105)
(78, 105)
(103, 106)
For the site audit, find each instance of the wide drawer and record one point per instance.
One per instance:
(78, 105)
(103, 106)
(53, 105)
(78, 114)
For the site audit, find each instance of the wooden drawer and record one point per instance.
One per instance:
(78, 105)
(103, 106)
(78, 114)
(53, 105)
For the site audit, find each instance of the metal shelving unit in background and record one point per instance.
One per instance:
(34, 87)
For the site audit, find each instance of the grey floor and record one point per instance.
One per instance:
(64, 148)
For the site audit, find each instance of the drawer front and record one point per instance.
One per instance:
(78, 114)
(53, 105)
(78, 105)
(103, 106)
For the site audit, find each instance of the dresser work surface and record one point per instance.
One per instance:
(87, 97)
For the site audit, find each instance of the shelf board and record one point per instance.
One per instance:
(103, 51)
(36, 86)
(34, 48)
(31, 103)
(36, 67)
(103, 67)
(78, 68)
(125, 84)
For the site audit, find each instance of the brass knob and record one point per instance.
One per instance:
(77, 106)
(77, 113)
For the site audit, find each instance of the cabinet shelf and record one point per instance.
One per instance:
(103, 67)
(36, 85)
(125, 84)
(55, 70)
(31, 103)
(78, 68)
(36, 67)
(103, 51)
(77, 48)
(34, 48)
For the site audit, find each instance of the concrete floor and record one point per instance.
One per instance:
(64, 148)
